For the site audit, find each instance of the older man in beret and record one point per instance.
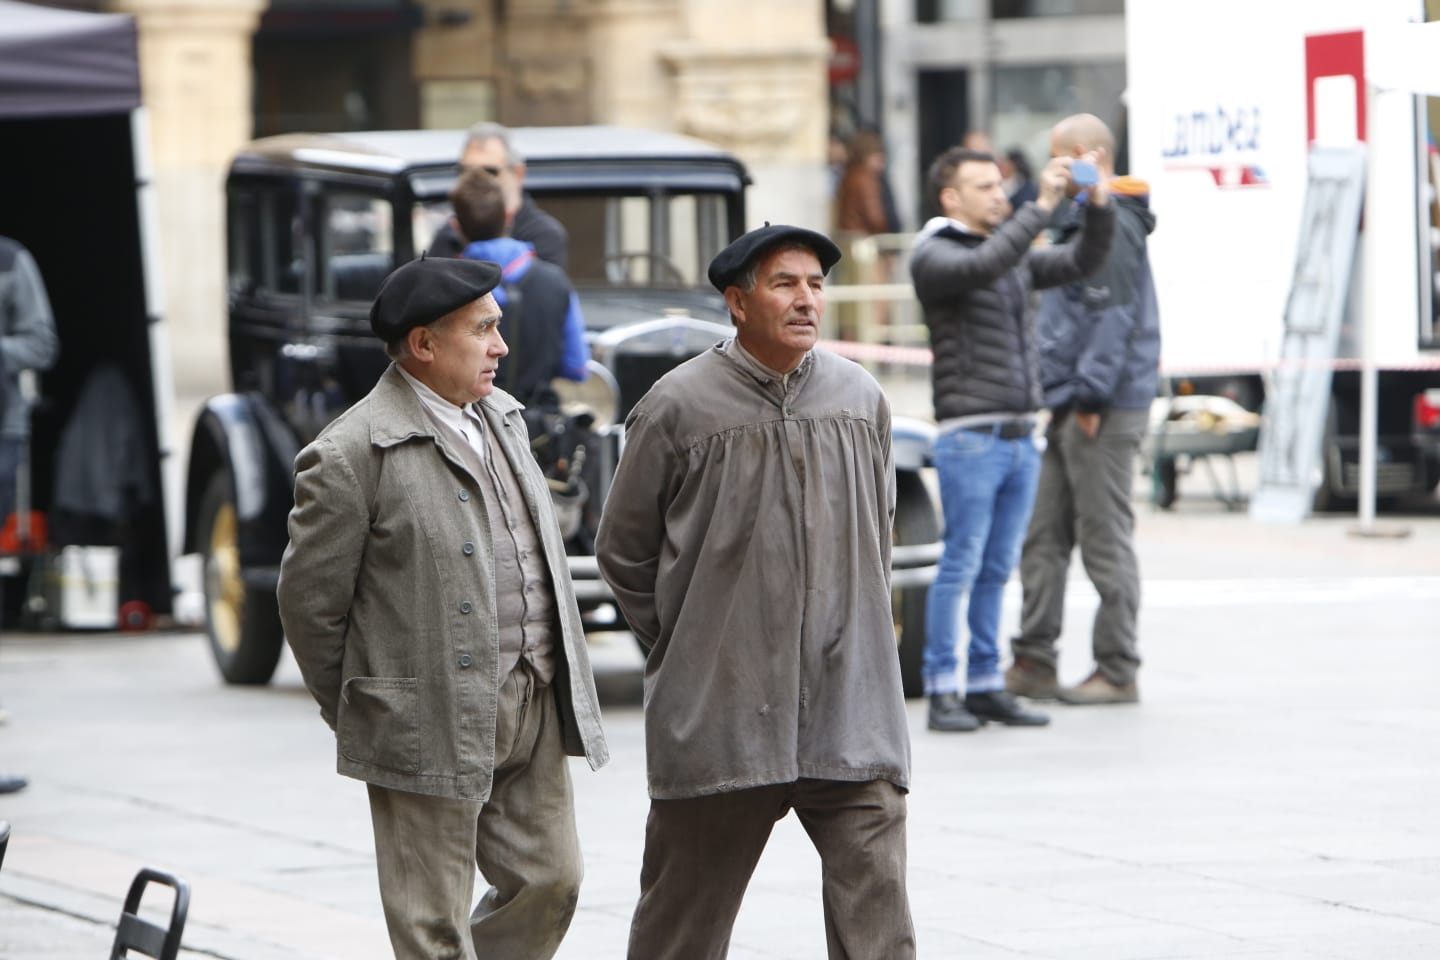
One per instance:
(427, 599)
(747, 539)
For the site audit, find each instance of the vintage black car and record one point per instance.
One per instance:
(316, 222)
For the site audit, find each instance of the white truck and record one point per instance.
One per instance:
(1227, 100)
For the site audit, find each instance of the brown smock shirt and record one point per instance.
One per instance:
(747, 539)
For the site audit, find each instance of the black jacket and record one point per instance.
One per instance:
(975, 292)
(532, 225)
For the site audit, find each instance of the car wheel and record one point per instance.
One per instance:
(242, 622)
(915, 522)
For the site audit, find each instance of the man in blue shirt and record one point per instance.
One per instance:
(543, 324)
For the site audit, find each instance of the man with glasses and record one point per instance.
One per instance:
(488, 147)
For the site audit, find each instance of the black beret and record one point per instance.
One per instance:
(734, 259)
(422, 291)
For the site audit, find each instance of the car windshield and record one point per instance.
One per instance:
(658, 239)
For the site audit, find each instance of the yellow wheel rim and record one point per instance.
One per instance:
(224, 588)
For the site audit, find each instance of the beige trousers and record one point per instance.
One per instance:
(523, 841)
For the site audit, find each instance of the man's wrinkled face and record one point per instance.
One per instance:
(465, 349)
(491, 155)
(779, 320)
(976, 196)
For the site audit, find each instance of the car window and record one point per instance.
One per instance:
(263, 254)
(426, 219)
(656, 239)
(357, 245)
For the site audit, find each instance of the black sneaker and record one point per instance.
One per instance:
(948, 714)
(1003, 708)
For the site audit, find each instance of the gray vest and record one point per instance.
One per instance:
(525, 613)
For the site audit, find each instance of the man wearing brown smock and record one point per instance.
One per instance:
(747, 539)
(426, 595)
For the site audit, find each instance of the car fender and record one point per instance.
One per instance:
(242, 436)
(912, 443)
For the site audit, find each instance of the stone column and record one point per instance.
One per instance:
(631, 84)
(545, 69)
(456, 57)
(702, 67)
(196, 83)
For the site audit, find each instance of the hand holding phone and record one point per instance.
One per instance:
(1084, 173)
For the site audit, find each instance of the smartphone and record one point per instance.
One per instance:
(1084, 173)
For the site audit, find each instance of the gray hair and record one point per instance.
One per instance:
(399, 350)
(750, 275)
(490, 130)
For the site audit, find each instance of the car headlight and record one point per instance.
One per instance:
(598, 394)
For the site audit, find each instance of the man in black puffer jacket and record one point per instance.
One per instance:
(973, 271)
(1100, 359)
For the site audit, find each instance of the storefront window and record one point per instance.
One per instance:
(1029, 100)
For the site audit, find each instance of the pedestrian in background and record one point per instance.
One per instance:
(866, 208)
(1099, 364)
(489, 147)
(542, 324)
(861, 207)
(426, 596)
(973, 271)
(747, 539)
(1020, 186)
(28, 341)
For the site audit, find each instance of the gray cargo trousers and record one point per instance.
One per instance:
(1083, 499)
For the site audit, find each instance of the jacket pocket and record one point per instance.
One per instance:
(379, 722)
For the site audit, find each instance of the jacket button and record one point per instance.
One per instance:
(464, 606)
(468, 549)
(465, 660)
(464, 494)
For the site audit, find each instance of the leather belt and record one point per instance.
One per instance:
(1005, 429)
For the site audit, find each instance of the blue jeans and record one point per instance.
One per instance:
(987, 487)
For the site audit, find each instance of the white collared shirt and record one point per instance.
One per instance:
(465, 421)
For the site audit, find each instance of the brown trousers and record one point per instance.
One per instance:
(700, 853)
(523, 840)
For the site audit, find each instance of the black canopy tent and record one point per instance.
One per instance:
(71, 191)
(59, 63)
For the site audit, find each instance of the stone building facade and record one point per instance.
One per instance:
(749, 75)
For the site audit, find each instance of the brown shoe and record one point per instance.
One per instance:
(1096, 689)
(1026, 678)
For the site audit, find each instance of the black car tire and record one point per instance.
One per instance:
(242, 622)
(915, 522)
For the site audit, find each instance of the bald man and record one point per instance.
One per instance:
(1099, 367)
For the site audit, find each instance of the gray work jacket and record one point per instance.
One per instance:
(747, 539)
(387, 594)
